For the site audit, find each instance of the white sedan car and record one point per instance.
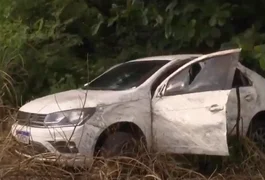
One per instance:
(184, 104)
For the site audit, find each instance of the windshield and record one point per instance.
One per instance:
(126, 76)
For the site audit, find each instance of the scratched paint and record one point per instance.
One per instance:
(182, 125)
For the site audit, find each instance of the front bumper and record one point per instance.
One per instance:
(41, 144)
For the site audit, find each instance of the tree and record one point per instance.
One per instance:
(57, 38)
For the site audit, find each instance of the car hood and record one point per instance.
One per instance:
(74, 99)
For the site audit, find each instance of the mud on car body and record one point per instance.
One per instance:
(184, 103)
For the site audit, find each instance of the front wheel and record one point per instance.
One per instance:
(257, 135)
(119, 144)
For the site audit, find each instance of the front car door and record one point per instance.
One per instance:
(189, 107)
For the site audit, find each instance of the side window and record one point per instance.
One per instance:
(161, 78)
(167, 73)
(240, 80)
(180, 83)
(217, 73)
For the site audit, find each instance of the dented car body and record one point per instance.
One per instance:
(178, 103)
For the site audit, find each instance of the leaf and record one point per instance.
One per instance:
(193, 22)
(259, 48)
(112, 20)
(159, 20)
(39, 23)
(212, 21)
(168, 31)
(114, 6)
(133, 2)
(171, 5)
(95, 28)
(262, 62)
(221, 22)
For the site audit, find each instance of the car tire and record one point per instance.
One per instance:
(119, 144)
(209, 164)
(257, 134)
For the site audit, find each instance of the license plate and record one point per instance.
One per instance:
(23, 136)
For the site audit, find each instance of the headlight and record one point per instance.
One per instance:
(70, 117)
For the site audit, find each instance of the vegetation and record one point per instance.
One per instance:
(51, 42)
(248, 164)
(48, 46)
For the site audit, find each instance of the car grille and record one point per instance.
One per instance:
(30, 119)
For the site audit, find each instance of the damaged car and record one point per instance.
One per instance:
(184, 104)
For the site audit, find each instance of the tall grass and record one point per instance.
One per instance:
(11, 73)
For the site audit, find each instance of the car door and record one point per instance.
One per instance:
(189, 107)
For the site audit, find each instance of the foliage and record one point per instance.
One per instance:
(62, 40)
(11, 71)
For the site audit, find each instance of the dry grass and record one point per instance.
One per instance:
(248, 163)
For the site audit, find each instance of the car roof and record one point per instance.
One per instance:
(168, 57)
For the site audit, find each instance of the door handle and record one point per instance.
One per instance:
(248, 97)
(216, 108)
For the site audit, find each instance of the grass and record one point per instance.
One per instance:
(11, 69)
(245, 162)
